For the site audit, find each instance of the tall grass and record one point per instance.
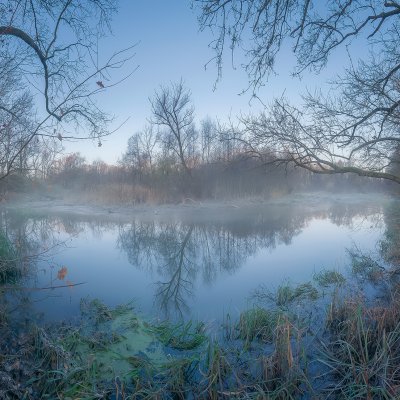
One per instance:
(9, 269)
(363, 352)
(257, 323)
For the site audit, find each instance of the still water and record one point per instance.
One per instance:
(200, 263)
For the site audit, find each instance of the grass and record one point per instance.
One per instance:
(364, 267)
(268, 352)
(286, 294)
(9, 269)
(95, 310)
(364, 351)
(284, 375)
(10, 272)
(112, 356)
(257, 323)
(176, 373)
(327, 278)
(218, 369)
(182, 336)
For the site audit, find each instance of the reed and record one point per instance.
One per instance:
(10, 271)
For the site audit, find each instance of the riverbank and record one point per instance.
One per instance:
(333, 337)
(201, 209)
(336, 335)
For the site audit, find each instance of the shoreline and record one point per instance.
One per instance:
(320, 201)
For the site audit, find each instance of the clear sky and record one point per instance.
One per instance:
(170, 47)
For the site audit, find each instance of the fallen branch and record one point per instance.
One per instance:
(43, 288)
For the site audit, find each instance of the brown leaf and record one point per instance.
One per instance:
(61, 274)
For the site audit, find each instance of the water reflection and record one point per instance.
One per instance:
(390, 242)
(181, 253)
(184, 262)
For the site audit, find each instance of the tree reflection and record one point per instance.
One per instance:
(180, 272)
(180, 254)
(389, 245)
(183, 253)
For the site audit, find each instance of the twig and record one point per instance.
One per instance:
(43, 288)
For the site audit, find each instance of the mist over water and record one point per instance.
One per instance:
(199, 262)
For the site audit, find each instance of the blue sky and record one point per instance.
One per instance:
(170, 47)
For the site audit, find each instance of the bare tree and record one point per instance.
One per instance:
(16, 116)
(141, 149)
(148, 141)
(208, 137)
(355, 128)
(172, 109)
(314, 29)
(51, 46)
(43, 159)
(283, 135)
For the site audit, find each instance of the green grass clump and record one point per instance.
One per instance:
(218, 370)
(257, 323)
(182, 336)
(327, 278)
(389, 248)
(287, 294)
(283, 375)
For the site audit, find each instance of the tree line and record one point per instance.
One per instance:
(174, 157)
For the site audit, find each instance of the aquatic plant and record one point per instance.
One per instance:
(257, 323)
(388, 246)
(96, 310)
(327, 278)
(181, 336)
(286, 294)
(284, 376)
(218, 369)
(9, 268)
(364, 267)
(177, 374)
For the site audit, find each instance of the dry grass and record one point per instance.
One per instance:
(114, 193)
(363, 351)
